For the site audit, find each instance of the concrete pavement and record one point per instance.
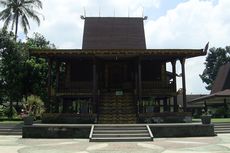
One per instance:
(15, 144)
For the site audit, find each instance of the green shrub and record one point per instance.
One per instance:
(33, 105)
(8, 113)
(2, 111)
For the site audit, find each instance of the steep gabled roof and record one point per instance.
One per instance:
(113, 33)
(222, 80)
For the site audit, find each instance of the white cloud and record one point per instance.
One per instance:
(191, 25)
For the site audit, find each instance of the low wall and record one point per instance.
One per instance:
(83, 130)
(68, 118)
(56, 131)
(182, 130)
(166, 117)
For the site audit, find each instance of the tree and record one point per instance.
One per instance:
(20, 74)
(36, 69)
(11, 68)
(215, 58)
(19, 11)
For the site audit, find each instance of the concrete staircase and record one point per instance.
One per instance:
(113, 133)
(11, 129)
(115, 109)
(222, 128)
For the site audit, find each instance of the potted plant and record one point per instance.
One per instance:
(206, 117)
(28, 119)
(32, 107)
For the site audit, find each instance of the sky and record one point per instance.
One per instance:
(188, 24)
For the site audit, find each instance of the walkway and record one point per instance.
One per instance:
(14, 144)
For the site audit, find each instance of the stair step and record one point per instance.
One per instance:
(120, 131)
(11, 133)
(119, 128)
(222, 127)
(121, 135)
(119, 139)
(222, 131)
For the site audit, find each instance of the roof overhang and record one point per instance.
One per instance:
(216, 98)
(151, 53)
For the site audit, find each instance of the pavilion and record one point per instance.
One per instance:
(114, 78)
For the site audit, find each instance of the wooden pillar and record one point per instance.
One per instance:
(225, 107)
(175, 107)
(106, 75)
(139, 81)
(57, 75)
(165, 105)
(94, 86)
(182, 61)
(57, 101)
(137, 90)
(205, 107)
(47, 105)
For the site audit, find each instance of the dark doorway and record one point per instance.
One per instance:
(115, 76)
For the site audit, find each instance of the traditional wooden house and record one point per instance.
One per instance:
(113, 78)
(219, 98)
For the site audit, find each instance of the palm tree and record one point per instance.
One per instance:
(19, 11)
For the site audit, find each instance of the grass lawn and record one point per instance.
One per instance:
(15, 120)
(7, 122)
(214, 120)
(217, 120)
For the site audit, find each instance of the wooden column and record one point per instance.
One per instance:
(137, 90)
(106, 75)
(205, 107)
(47, 105)
(57, 86)
(94, 86)
(139, 81)
(57, 75)
(165, 105)
(175, 108)
(225, 107)
(182, 61)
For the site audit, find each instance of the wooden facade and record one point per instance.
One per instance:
(116, 85)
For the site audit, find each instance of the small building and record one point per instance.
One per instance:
(219, 99)
(114, 78)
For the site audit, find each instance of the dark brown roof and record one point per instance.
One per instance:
(113, 33)
(222, 80)
(221, 95)
(166, 54)
(188, 98)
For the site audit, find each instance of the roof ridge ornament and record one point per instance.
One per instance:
(206, 48)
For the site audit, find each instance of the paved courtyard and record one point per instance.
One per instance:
(15, 144)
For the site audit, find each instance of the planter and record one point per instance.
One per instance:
(29, 120)
(206, 119)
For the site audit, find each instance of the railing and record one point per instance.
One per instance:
(149, 88)
(157, 85)
(72, 118)
(75, 87)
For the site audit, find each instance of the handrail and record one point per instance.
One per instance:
(150, 132)
(91, 132)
